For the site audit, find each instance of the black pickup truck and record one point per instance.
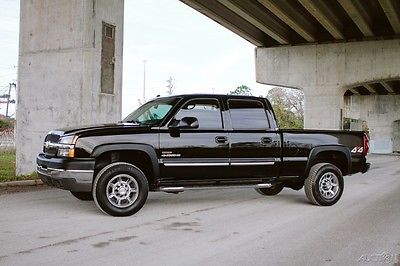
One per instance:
(182, 142)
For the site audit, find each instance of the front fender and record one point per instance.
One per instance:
(148, 149)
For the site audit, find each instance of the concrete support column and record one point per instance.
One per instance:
(60, 69)
(382, 114)
(381, 132)
(323, 110)
(325, 71)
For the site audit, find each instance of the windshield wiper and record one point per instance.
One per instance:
(133, 122)
(151, 122)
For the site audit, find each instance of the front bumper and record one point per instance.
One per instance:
(70, 174)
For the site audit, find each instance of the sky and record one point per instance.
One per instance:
(175, 40)
(9, 25)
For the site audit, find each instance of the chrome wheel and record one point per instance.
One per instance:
(329, 185)
(122, 190)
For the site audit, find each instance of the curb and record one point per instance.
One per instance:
(22, 183)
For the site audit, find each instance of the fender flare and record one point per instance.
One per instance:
(338, 148)
(148, 149)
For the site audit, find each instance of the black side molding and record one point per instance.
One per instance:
(149, 150)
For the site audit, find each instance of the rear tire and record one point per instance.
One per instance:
(85, 196)
(120, 189)
(324, 185)
(272, 191)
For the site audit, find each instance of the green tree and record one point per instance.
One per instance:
(241, 90)
(288, 105)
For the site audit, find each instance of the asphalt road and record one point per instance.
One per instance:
(212, 227)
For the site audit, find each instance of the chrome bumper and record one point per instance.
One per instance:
(74, 180)
(65, 174)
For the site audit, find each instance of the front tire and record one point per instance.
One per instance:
(85, 196)
(272, 191)
(324, 184)
(120, 189)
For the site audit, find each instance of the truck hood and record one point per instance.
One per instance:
(99, 129)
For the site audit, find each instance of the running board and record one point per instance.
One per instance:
(265, 185)
(172, 189)
(181, 189)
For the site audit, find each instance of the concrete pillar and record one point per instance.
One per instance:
(381, 113)
(322, 109)
(59, 74)
(325, 71)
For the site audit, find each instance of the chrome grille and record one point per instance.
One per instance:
(51, 150)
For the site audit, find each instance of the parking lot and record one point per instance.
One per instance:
(230, 226)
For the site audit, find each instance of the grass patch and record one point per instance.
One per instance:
(7, 168)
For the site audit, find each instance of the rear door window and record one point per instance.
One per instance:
(248, 114)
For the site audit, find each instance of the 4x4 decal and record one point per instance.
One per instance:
(357, 149)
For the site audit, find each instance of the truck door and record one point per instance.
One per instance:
(195, 153)
(255, 146)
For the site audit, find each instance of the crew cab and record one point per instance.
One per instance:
(183, 142)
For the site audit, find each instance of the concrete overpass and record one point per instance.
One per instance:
(344, 55)
(271, 23)
(70, 61)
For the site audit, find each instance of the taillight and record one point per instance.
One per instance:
(366, 144)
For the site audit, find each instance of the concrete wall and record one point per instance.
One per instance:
(380, 112)
(59, 70)
(325, 71)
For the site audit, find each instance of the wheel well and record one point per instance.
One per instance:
(138, 158)
(336, 158)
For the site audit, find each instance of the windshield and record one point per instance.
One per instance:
(151, 113)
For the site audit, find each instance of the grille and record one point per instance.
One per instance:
(54, 138)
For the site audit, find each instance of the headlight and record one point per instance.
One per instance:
(68, 140)
(66, 146)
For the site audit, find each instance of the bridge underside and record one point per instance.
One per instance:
(382, 87)
(270, 23)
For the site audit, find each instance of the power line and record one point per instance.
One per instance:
(3, 90)
(9, 67)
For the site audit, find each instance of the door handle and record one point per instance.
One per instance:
(221, 139)
(266, 140)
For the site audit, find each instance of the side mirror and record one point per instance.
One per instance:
(185, 123)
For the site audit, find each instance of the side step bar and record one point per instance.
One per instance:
(172, 189)
(181, 189)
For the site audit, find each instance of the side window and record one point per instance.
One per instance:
(207, 112)
(248, 114)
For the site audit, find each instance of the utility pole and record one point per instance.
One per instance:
(144, 81)
(9, 96)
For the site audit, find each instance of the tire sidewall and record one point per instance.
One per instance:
(100, 186)
(316, 193)
(84, 196)
(275, 190)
